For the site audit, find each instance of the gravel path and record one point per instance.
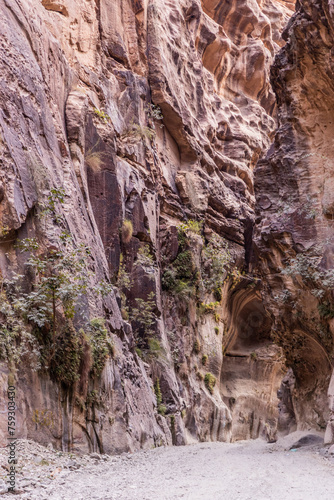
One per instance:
(252, 470)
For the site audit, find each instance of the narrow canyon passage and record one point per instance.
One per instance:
(131, 294)
(166, 248)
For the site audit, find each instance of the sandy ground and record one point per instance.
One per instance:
(252, 470)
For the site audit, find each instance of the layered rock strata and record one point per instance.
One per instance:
(133, 127)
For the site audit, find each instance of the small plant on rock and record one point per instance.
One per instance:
(94, 399)
(94, 159)
(4, 230)
(162, 410)
(181, 278)
(49, 210)
(66, 355)
(101, 345)
(155, 113)
(60, 278)
(140, 131)
(154, 346)
(191, 226)
(16, 340)
(210, 382)
(124, 280)
(197, 347)
(157, 391)
(102, 115)
(127, 231)
(253, 356)
(326, 310)
(144, 256)
(217, 262)
(139, 352)
(210, 308)
(172, 423)
(144, 313)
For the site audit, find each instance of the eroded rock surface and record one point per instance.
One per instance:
(294, 235)
(149, 114)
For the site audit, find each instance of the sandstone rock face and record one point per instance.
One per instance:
(294, 232)
(149, 114)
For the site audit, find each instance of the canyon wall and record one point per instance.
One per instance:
(294, 226)
(129, 134)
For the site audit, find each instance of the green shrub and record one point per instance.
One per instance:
(217, 263)
(210, 382)
(168, 280)
(197, 346)
(61, 276)
(157, 391)
(125, 314)
(67, 355)
(144, 132)
(216, 330)
(185, 289)
(182, 275)
(192, 226)
(217, 293)
(93, 399)
(38, 322)
(141, 132)
(4, 230)
(253, 356)
(101, 345)
(184, 265)
(162, 410)
(102, 115)
(144, 256)
(139, 352)
(80, 403)
(144, 313)
(325, 310)
(124, 280)
(204, 359)
(154, 112)
(210, 308)
(16, 340)
(154, 347)
(307, 266)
